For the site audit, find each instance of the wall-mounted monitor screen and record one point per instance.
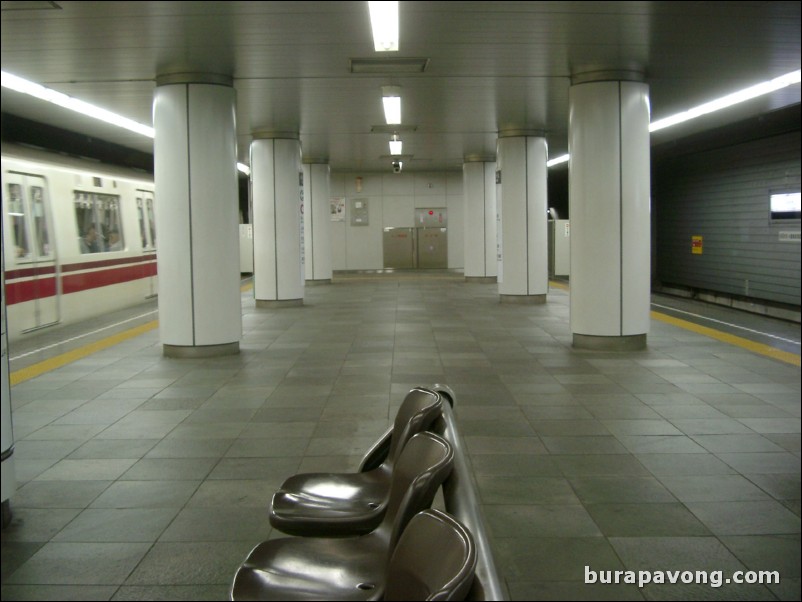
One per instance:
(785, 205)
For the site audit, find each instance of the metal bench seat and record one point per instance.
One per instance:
(349, 568)
(435, 559)
(343, 504)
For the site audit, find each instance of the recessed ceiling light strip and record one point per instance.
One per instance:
(391, 98)
(761, 89)
(384, 23)
(18, 84)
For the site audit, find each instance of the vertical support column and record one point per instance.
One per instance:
(317, 222)
(609, 182)
(479, 189)
(277, 198)
(200, 311)
(523, 214)
(7, 475)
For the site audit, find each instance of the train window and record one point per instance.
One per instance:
(86, 222)
(29, 218)
(142, 229)
(99, 222)
(41, 229)
(147, 225)
(108, 207)
(151, 221)
(16, 213)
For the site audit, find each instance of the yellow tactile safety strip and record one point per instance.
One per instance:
(760, 348)
(783, 356)
(34, 370)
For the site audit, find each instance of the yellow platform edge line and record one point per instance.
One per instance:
(760, 348)
(34, 370)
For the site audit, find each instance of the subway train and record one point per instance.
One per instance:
(79, 238)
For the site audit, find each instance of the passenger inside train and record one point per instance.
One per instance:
(89, 242)
(114, 242)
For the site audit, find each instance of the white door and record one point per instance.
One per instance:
(35, 257)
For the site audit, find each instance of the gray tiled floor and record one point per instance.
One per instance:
(143, 477)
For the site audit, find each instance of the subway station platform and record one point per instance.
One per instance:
(142, 477)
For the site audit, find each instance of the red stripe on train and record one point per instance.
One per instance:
(30, 272)
(81, 282)
(19, 292)
(74, 267)
(105, 263)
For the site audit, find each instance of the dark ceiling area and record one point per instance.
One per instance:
(18, 130)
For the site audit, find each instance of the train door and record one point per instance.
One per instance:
(147, 232)
(35, 257)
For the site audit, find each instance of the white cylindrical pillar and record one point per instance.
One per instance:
(523, 217)
(479, 190)
(609, 210)
(195, 152)
(277, 205)
(317, 222)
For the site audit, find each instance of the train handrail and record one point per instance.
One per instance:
(461, 497)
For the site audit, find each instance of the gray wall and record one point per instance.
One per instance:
(723, 195)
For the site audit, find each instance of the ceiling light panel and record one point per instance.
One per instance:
(392, 109)
(391, 98)
(384, 23)
(19, 84)
(724, 102)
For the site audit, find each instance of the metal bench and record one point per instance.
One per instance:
(461, 497)
(435, 559)
(338, 504)
(348, 568)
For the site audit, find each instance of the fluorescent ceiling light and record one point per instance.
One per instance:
(396, 145)
(18, 84)
(557, 160)
(727, 101)
(391, 98)
(735, 98)
(384, 23)
(392, 109)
